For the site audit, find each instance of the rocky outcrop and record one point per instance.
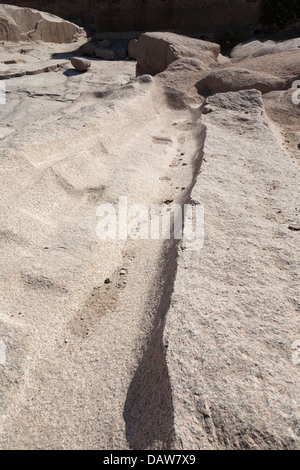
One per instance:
(156, 51)
(281, 64)
(233, 323)
(18, 24)
(98, 135)
(148, 344)
(283, 109)
(259, 48)
(235, 79)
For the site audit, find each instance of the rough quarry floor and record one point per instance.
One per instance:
(182, 349)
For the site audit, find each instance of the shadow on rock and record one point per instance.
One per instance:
(148, 411)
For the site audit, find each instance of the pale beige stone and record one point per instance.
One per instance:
(80, 64)
(156, 51)
(25, 23)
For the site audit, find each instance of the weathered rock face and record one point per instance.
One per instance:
(233, 320)
(188, 16)
(18, 24)
(209, 356)
(98, 135)
(156, 51)
(282, 109)
(234, 79)
(281, 64)
(258, 48)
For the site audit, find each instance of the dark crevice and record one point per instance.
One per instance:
(148, 410)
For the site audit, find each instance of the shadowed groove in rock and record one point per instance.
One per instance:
(148, 411)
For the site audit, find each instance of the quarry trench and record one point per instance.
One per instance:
(148, 410)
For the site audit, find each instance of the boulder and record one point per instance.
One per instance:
(156, 51)
(89, 49)
(283, 108)
(120, 53)
(235, 79)
(280, 64)
(105, 44)
(259, 48)
(132, 48)
(19, 24)
(82, 65)
(106, 54)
